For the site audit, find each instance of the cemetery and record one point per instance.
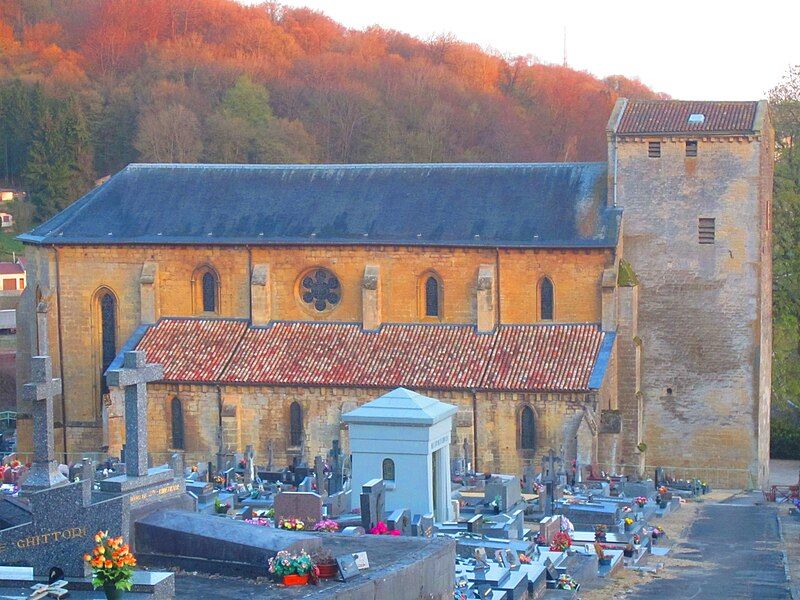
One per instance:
(400, 519)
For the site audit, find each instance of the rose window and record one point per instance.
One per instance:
(320, 289)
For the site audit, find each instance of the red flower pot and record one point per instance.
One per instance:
(328, 571)
(295, 579)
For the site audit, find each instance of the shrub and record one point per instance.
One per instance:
(784, 440)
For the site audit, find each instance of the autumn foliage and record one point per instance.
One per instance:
(216, 81)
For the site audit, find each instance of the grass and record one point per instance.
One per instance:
(9, 244)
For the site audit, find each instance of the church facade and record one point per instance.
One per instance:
(618, 312)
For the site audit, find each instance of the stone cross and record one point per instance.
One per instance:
(550, 477)
(133, 378)
(40, 391)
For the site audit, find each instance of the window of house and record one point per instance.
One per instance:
(9, 284)
(432, 291)
(706, 230)
(691, 148)
(177, 424)
(546, 300)
(320, 290)
(108, 334)
(654, 149)
(209, 292)
(527, 430)
(388, 469)
(295, 425)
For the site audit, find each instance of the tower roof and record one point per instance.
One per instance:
(666, 117)
(401, 407)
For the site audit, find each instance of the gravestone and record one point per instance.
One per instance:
(335, 484)
(549, 527)
(660, 479)
(319, 476)
(44, 472)
(306, 506)
(353, 530)
(399, 520)
(249, 466)
(528, 479)
(552, 465)
(475, 524)
(425, 525)
(506, 487)
(338, 503)
(372, 503)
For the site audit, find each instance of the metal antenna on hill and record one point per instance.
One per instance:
(565, 45)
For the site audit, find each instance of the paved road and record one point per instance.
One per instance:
(736, 547)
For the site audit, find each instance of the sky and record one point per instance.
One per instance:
(692, 50)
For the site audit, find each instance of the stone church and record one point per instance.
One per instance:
(618, 312)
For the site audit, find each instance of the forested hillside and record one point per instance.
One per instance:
(87, 86)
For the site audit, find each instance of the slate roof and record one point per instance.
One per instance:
(403, 407)
(568, 357)
(672, 116)
(485, 205)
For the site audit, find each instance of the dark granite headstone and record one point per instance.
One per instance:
(400, 520)
(372, 503)
(306, 506)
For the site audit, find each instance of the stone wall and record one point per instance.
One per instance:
(703, 308)
(71, 278)
(259, 415)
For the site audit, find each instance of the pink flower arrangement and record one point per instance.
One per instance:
(328, 525)
(640, 501)
(381, 529)
(263, 522)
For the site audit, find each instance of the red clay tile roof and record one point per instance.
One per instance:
(515, 357)
(192, 349)
(672, 116)
(10, 268)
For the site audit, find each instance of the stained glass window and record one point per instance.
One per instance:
(546, 299)
(388, 469)
(320, 289)
(209, 292)
(295, 425)
(177, 424)
(108, 343)
(431, 297)
(527, 437)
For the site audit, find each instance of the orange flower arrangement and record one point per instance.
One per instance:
(111, 561)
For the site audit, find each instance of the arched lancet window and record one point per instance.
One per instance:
(108, 334)
(527, 429)
(432, 296)
(177, 424)
(546, 299)
(388, 469)
(37, 337)
(209, 292)
(295, 424)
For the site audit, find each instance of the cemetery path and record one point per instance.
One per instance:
(733, 549)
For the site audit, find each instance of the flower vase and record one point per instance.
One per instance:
(112, 592)
(327, 571)
(497, 510)
(295, 579)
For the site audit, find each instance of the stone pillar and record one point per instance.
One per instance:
(148, 293)
(629, 378)
(42, 339)
(487, 306)
(609, 299)
(371, 298)
(260, 301)
(443, 508)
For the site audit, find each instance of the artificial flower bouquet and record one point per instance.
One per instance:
(561, 542)
(327, 525)
(640, 501)
(112, 563)
(291, 524)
